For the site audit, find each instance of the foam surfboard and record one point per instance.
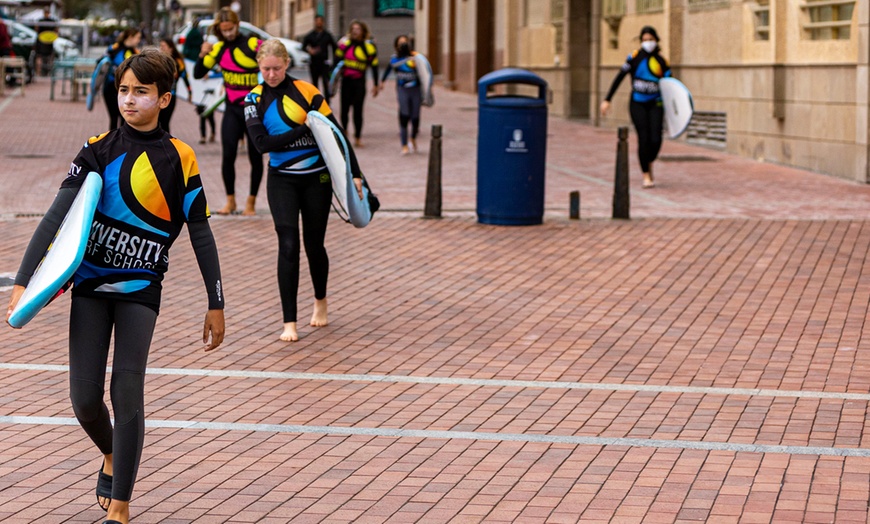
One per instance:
(64, 255)
(336, 153)
(335, 78)
(214, 106)
(677, 102)
(424, 72)
(101, 71)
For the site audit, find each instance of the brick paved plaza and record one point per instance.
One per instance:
(705, 361)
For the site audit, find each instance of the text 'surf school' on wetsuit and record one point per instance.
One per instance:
(117, 53)
(238, 62)
(151, 189)
(358, 57)
(298, 180)
(408, 92)
(645, 107)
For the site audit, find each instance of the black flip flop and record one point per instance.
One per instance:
(104, 488)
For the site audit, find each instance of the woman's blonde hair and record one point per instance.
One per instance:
(224, 15)
(273, 47)
(366, 34)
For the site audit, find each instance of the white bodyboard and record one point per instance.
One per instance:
(64, 255)
(336, 154)
(678, 106)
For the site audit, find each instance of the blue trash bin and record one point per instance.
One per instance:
(511, 150)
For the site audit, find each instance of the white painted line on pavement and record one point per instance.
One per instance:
(609, 183)
(479, 382)
(469, 435)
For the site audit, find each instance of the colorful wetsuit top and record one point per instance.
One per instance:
(117, 53)
(357, 57)
(180, 74)
(275, 117)
(646, 70)
(238, 63)
(151, 188)
(406, 70)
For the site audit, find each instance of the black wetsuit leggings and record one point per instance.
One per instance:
(110, 95)
(410, 99)
(353, 94)
(91, 323)
(320, 73)
(233, 129)
(647, 118)
(166, 114)
(290, 195)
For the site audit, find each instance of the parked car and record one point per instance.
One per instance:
(297, 53)
(24, 38)
(23, 42)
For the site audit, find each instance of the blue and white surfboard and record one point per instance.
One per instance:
(335, 78)
(64, 255)
(336, 153)
(101, 71)
(424, 72)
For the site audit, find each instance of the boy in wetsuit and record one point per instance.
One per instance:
(151, 189)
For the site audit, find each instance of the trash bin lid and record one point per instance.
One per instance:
(511, 75)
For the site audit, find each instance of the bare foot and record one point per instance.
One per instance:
(230, 208)
(413, 145)
(250, 207)
(357, 143)
(318, 319)
(119, 511)
(289, 334)
(405, 150)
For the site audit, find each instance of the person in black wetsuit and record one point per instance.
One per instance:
(123, 48)
(168, 47)
(320, 44)
(236, 56)
(359, 54)
(646, 67)
(151, 189)
(299, 183)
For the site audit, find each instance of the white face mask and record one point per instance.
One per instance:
(649, 46)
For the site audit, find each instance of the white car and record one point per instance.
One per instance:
(297, 53)
(25, 36)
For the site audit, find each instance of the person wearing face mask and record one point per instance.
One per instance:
(276, 112)
(646, 67)
(236, 55)
(359, 54)
(407, 90)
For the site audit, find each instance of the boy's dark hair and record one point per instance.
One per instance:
(151, 66)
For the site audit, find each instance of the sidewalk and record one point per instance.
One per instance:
(705, 361)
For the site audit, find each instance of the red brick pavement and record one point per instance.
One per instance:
(706, 363)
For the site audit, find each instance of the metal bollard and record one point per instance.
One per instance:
(621, 201)
(574, 206)
(433, 181)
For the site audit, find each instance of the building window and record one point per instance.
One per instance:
(557, 18)
(761, 19)
(612, 12)
(650, 6)
(828, 19)
(708, 3)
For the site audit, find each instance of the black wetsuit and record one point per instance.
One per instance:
(238, 62)
(645, 107)
(151, 189)
(357, 57)
(324, 42)
(298, 181)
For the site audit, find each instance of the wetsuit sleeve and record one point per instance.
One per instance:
(205, 249)
(44, 234)
(387, 72)
(207, 62)
(263, 141)
(372, 53)
(182, 73)
(624, 70)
